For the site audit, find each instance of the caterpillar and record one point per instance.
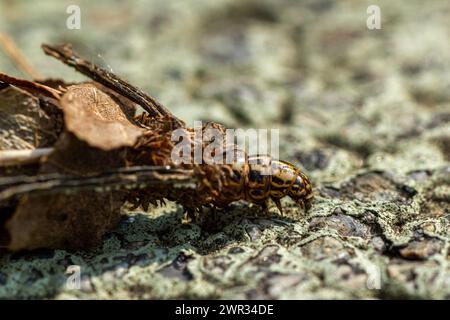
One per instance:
(251, 182)
(255, 178)
(252, 178)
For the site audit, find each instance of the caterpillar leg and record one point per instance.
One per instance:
(305, 205)
(212, 212)
(264, 208)
(209, 220)
(189, 215)
(278, 204)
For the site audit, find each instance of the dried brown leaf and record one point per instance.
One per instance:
(74, 156)
(63, 220)
(74, 209)
(24, 123)
(98, 118)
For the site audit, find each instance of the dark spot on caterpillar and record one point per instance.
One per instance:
(255, 176)
(277, 181)
(236, 176)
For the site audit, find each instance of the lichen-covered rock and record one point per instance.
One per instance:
(364, 112)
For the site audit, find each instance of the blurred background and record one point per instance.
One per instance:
(311, 68)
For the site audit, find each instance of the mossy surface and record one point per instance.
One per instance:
(364, 112)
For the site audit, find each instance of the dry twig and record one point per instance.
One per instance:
(132, 177)
(66, 54)
(31, 87)
(20, 157)
(13, 52)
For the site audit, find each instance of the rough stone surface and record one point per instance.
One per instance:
(364, 112)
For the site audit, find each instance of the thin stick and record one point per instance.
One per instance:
(66, 54)
(14, 53)
(30, 86)
(19, 157)
(130, 178)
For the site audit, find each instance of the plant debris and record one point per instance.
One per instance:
(99, 119)
(101, 132)
(67, 175)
